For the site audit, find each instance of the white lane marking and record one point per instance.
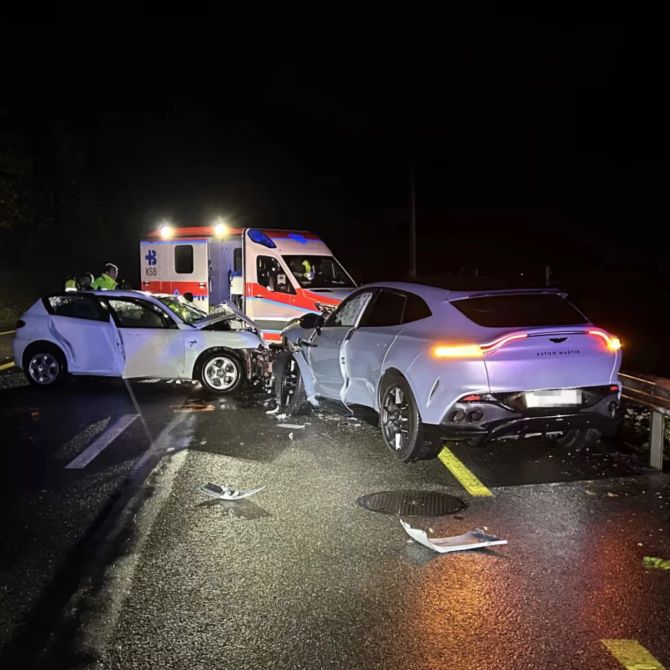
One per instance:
(8, 332)
(100, 621)
(113, 430)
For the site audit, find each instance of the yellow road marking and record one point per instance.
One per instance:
(632, 655)
(6, 366)
(8, 332)
(469, 482)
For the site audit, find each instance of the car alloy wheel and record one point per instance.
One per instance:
(221, 373)
(396, 418)
(44, 368)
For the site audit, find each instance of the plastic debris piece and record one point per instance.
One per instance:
(290, 436)
(273, 411)
(225, 492)
(473, 539)
(280, 417)
(653, 562)
(292, 426)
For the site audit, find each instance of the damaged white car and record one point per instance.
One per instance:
(132, 334)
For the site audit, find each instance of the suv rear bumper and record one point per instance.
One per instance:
(492, 416)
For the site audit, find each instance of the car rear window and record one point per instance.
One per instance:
(511, 311)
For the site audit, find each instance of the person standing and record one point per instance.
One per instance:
(107, 280)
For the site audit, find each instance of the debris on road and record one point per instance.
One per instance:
(225, 492)
(653, 562)
(292, 426)
(273, 411)
(193, 407)
(290, 436)
(474, 539)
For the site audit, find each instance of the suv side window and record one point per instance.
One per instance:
(415, 309)
(131, 313)
(271, 275)
(348, 312)
(386, 310)
(75, 307)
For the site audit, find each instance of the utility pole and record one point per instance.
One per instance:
(412, 222)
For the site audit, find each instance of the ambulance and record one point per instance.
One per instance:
(273, 276)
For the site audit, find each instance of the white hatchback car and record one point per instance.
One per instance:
(131, 334)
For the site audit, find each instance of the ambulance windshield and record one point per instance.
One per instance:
(318, 272)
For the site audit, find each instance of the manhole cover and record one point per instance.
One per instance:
(411, 503)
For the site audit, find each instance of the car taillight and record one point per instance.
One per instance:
(474, 350)
(457, 351)
(20, 323)
(611, 342)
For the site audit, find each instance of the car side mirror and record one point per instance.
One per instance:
(312, 320)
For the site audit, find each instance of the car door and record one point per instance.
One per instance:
(366, 347)
(82, 326)
(324, 354)
(153, 345)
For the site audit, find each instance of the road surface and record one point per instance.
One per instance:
(124, 563)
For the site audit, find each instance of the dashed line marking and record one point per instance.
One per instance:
(467, 479)
(632, 655)
(6, 366)
(8, 332)
(113, 430)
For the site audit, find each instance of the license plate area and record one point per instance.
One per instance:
(557, 398)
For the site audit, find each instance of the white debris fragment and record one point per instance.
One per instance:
(292, 426)
(280, 417)
(290, 436)
(474, 539)
(203, 442)
(273, 411)
(225, 492)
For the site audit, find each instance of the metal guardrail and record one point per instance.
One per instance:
(654, 393)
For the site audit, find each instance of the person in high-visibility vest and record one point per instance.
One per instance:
(107, 280)
(70, 284)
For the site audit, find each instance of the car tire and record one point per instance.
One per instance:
(579, 438)
(400, 421)
(221, 372)
(289, 387)
(44, 365)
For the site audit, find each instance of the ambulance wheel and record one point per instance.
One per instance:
(289, 387)
(221, 372)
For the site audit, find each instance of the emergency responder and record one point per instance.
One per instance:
(71, 283)
(107, 280)
(85, 282)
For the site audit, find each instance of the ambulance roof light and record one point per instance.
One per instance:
(166, 230)
(221, 228)
(260, 237)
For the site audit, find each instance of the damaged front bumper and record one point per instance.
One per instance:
(487, 417)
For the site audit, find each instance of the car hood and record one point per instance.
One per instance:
(222, 312)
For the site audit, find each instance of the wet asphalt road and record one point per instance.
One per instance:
(300, 576)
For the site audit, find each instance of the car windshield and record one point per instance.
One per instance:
(183, 309)
(318, 272)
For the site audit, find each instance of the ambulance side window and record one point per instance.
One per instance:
(183, 259)
(271, 275)
(237, 260)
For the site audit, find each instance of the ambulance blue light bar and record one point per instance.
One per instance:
(260, 237)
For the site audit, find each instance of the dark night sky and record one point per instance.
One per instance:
(535, 141)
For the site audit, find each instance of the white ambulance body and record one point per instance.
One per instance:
(272, 275)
